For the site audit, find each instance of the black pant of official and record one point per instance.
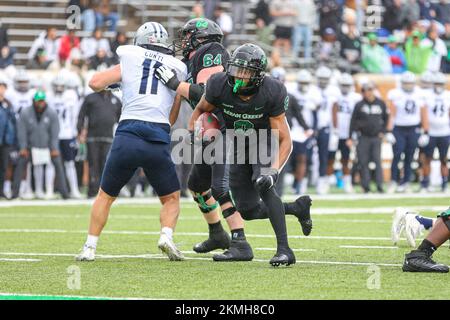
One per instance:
(4, 156)
(59, 171)
(97, 153)
(369, 150)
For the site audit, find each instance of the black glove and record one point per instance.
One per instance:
(113, 87)
(168, 77)
(267, 180)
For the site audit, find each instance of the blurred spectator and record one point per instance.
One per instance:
(208, 8)
(439, 49)
(328, 49)
(48, 41)
(87, 13)
(368, 124)
(392, 15)
(443, 11)
(239, 11)
(120, 40)
(410, 13)
(427, 10)
(303, 29)
(40, 61)
(374, 58)
(100, 61)
(3, 35)
(358, 7)
(197, 11)
(75, 63)
(37, 131)
(284, 17)
(350, 51)
(89, 46)
(446, 39)
(263, 20)
(7, 132)
(6, 56)
(105, 17)
(67, 43)
(417, 54)
(225, 23)
(396, 55)
(330, 14)
(99, 113)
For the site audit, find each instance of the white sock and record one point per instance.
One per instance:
(91, 241)
(7, 187)
(50, 178)
(28, 187)
(168, 232)
(39, 179)
(71, 174)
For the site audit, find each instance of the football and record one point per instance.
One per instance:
(207, 127)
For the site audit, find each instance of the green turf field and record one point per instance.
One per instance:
(342, 259)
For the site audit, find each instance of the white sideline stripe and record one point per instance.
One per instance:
(295, 250)
(187, 234)
(154, 200)
(20, 260)
(160, 256)
(368, 247)
(7, 294)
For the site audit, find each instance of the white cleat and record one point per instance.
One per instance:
(413, 229)
(392, 187)
(398, 224)
(49, 195)
(76, 195)
(27, 195)
(166, 245)
(87, 254)
(403, 188)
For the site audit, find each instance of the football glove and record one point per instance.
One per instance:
(390, 138)
(267, 180)
(168, 77)
(423, 140)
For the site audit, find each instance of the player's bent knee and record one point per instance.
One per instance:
(201, 198)
(171, 197)
(445, 216)
(104, 196)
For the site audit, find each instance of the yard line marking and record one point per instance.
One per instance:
(20, 260)
(299, 250)
(200, 234)
(368, 247)
(160, 256)
(59, 297)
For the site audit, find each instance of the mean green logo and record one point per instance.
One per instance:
(244, 127)
(286, 103)
(202, 24)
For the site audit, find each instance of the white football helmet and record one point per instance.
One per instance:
(22, 81)
(426, 80)
(439, 82)
(408, 81)
(304, 79)
(323, 75)
(152, 34)
(345, 83)
(59, 83)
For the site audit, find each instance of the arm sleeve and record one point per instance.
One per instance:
(280, 102)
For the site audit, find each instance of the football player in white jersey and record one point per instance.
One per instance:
(142, 137)
(65, 103)
(326, 125)
(309, 98)
(438, 106)
(408, 115)
(344, 108)
(21, 97)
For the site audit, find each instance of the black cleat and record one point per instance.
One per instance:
(303, 213)
(284, 257)
(215, 241)
(419, 261)
(239, 250)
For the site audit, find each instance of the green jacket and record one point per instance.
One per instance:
(375, 59)
(417, 57)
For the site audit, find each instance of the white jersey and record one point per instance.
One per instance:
(407, 106)
(66, 106)
(329, 97)
(438, 106)
(20, 100)
(144, 96)
(309, 102)
(346, 105)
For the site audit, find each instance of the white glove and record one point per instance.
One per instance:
(333, 142)
(423, 140)
(168, 77)
(390, 138)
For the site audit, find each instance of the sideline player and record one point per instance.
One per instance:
(253, 104)
(204, 56)
(142, 137)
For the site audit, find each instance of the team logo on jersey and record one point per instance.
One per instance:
(244, 127)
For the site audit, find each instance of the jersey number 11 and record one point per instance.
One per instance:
(146, 73)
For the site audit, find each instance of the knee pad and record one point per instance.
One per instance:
(201, 200)
(222, 197)
(229, 212)
(445, 217)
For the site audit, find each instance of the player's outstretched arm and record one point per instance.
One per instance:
(175, 111)
(202, 107)
(102, 79)
(279, 124)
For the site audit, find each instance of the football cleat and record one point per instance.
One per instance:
(398, 224)
(87, 254)
(239, 250)
(420, 261)
(284, 257)
(413, 229)
(302, 211)
(215, 241)
(167, 246)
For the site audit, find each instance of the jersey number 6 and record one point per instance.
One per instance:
(146, 73)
